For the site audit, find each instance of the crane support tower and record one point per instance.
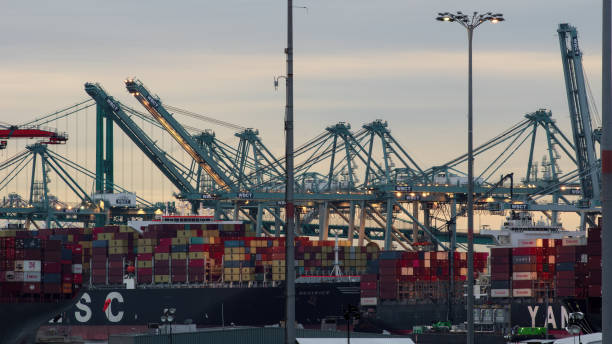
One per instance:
(580, 115)
(113, 109)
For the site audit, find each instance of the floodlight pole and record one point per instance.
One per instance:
(470, 23)
(606, 173)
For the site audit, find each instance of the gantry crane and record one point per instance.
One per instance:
(580, 115)
(13, 132)
(114, 109)
(154, 105)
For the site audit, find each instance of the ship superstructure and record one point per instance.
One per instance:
(520, 226)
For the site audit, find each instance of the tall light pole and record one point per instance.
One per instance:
(289, 208)
(470, 23)
(606, 172)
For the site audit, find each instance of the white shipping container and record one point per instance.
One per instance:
(527, 243)
(18, 276)
(77, 268)
(31, 265)
(368, 301)
(8, 276)
(522, 292)
(581, 241)
(524, 276)
(31, 276)
(500, 292)
(18, 265)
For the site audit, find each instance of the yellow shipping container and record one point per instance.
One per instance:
(144, 249)
(145, 264)
(198, 255)
(179, 241)
(106, 236)
(162, 256)
(179, 255)
(117, 250)
(144, 242)
(117, 242)
(162, 278)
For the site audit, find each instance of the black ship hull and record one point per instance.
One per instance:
(400, 317)
(19, 321)
(211, 306)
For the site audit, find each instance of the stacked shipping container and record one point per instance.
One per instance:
(540, 268)
(38, 266)
(418, 275)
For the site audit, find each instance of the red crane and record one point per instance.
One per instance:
(49, 137)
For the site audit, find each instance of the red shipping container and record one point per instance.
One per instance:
(34, 288)
(499, 268)
(369, 293)
(369, 278)
(566, 283)
(196, 263)
(594, 262)
(144, 278)
(594, 277)
(145, 271)
(179, 278)
(594, 291)
(368, 285)
(52, 288)
(565, 292)
(77, 279)
(200, 248)
(51, 267)
(522, 284)
(565, 275)
(162, 270)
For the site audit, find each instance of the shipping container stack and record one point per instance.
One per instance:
(34, 267)
(553, 268)
(390, 269)
(161, 261)
(571, 268)
(533, 268)
(501, 272)
(144, 260)
(415, 276)
(369, 286)
(199, 257)
(594, 262)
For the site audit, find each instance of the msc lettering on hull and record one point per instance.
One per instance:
(112, 313)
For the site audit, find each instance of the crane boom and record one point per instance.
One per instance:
(580, 115)
(154, 105)
(113, 109)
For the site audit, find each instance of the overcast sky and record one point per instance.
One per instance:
(355, 61)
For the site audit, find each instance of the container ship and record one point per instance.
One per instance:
(214, 273)
(119, 279)
(536, 276)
